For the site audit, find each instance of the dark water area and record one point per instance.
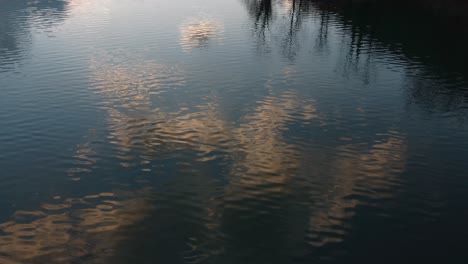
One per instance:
(236, 131)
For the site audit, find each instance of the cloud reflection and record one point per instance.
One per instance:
(262, 164)
(199, 32)
(363, 174)
(88, 227)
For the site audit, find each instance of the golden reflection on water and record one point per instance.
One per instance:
(71, 229)
(127, 91)
(87, 227)
(197, 32)
(370, 172)
(261, 156)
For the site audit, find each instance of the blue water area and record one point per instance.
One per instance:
(234, 131)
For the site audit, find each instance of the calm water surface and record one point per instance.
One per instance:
(234, 131)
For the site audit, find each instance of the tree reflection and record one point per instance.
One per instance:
(290, 12)
(364, 34)
(426, 59)
(261, 11)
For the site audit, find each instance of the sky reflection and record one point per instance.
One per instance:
(249, 131)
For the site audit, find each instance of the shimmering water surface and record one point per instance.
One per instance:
(233, 131)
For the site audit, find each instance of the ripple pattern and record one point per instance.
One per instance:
(253, 131)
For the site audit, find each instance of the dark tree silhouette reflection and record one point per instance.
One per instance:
(289, 17)
(365, 35)
(261, 11)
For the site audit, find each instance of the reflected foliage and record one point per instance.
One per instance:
(370, 28)
(261, 11)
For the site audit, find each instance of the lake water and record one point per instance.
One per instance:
(233, 131)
